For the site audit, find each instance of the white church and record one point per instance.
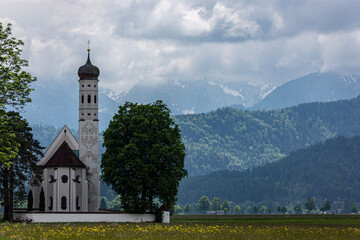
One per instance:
(70, 178)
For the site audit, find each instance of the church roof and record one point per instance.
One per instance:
(64, 157)
(88, 71)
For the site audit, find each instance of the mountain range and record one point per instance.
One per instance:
(55, 103)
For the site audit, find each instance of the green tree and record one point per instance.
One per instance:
(177, 209)
(14, 92)
(310, 204)
(225, 207)
(237, 209)
(215, 204)
(144, 157)
(283, 209)
(255, 209)
(297, 208)
(203, 204)
(187, 209)
(263, 209)
(354, 209)
(116, 203)
(104, 203)
(15, 82)
(23, 166)
(326, 206)
(278, 209)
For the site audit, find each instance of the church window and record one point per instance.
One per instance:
(77, 203)
(89, 85)
(64, 178)
(89, 114)
(94, 114)
(51, 179)
(95, 99)
(89, 99)
(82, 85)
(50, 203)
(82, 114)
(63, 203)
(82, 98)
(78, 178)
(94, 85)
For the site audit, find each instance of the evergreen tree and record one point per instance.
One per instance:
(14, 177)
(326, 206)
(187, 209)
(103, 203)
(255, 209)
(310, 204)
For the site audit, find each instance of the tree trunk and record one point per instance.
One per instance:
(11, 196)
(6, 194)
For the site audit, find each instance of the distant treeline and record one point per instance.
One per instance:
(327, 170)
(238, 139)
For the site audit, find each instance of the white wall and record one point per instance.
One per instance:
(85, 217)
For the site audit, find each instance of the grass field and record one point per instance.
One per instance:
(198, 227)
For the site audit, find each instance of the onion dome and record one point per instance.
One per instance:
(88, 71)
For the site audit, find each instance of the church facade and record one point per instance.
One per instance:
(70, 179)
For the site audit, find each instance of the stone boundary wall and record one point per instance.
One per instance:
(47, 217)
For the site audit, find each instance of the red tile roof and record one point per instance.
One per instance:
(64, 157)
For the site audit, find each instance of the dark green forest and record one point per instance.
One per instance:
(327, 170)
(239, 139)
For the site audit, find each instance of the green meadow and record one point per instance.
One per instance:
(197, 227)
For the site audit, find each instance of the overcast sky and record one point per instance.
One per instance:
(149, 41)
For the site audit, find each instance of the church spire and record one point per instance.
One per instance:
(88, 71)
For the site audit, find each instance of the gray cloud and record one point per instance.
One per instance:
(154, 41)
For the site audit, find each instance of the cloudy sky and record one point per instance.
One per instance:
(154, 41)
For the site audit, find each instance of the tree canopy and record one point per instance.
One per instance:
(15, 82)
(144, 157)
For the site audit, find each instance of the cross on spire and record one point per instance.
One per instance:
(89, 46)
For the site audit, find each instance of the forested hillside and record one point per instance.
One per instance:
(327, 170)
(238, 139)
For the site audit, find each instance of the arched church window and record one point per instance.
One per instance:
(77, 203)
(82, 98)
(64, 178)
(50, 203)
(89, 99)
(63, 203)
(78, 179)
(51, 179)
(95, 99)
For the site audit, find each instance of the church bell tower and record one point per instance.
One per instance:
(89, 130)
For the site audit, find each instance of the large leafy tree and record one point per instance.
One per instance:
(14, 92)
(15, 81)
(14, 177)
(144, 157)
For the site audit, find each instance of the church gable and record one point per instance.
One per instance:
(64, 136)
(64, 157)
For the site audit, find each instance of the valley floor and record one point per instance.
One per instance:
(198, 227)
